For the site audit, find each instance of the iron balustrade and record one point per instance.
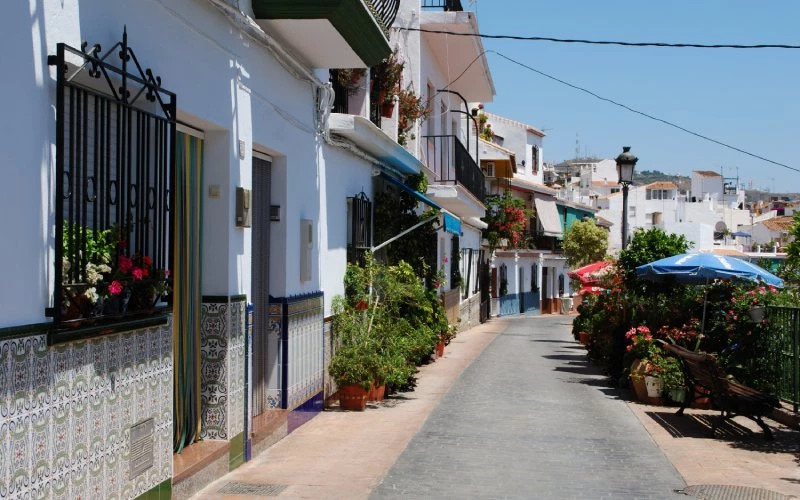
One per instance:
(360, 227)
(450, 162)
(385, 11)
(115, 165)
(447, 5)
(784, 326)
(341, 102)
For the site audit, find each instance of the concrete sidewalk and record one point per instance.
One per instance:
(346, 454)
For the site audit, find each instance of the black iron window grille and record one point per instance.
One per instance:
(341, 102)
(375, 104)
(447, 5)
(115, 165)
(360, 223)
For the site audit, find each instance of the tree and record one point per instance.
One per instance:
(790, 268)
(648, 246)
(585, 243)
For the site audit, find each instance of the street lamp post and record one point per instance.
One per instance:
(626, 162)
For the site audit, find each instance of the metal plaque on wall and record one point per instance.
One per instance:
(141, 446)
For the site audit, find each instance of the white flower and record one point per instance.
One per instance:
(91, 294)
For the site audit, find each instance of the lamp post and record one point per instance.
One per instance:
(626, 162)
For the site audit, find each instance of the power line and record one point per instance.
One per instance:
(642, 113)
(609, 42)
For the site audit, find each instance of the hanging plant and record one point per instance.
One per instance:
(412, 109)
(387, 76)
(350, 78)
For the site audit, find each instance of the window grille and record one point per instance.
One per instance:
(455, 264)
(360, 223)
(115, 143)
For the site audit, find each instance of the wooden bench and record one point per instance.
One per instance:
(730, 397)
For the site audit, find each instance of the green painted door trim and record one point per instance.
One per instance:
(236, 455)
(161, 492)
(351, 18)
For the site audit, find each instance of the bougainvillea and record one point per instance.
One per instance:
(506, 216)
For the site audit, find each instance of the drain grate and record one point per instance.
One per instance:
(730, 492)
(237, 488)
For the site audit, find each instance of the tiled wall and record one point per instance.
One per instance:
(300, 319)
(66, 413)
(222, 366)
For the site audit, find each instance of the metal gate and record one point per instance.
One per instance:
(265, 353)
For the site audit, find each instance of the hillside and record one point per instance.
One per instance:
(643, 177)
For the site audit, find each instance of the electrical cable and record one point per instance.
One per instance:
(632, 110)
(609, 42)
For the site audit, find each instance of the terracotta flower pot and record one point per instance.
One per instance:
(376, 392)
(584, 337)
(440, 348)
(352, 397)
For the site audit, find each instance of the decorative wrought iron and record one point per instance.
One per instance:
(341, 102)
(385, 11)
(360, 226)
(450, 162)
(115, 167)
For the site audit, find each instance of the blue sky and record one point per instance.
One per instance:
(747, 98)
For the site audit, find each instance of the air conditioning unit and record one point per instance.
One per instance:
(489, 169)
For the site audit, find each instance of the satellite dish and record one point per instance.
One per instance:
(720, 227)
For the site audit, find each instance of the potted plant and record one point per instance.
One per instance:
(352, 369)
(673, 379)
(387, 76)
(412, 108)
(350, 78)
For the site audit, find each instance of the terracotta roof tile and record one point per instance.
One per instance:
(707, 173)
(661, 185)
(778, 223)
(605, 183)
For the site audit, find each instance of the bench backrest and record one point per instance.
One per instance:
(703, 368)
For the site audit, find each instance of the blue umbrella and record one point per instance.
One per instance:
(700, 268)
(741, 233)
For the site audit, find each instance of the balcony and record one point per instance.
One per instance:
(451, 163)
(341, 34)
(446, 5)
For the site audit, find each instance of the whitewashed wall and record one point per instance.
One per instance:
(227, 85)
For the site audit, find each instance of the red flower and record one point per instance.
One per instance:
(137, 273)
(147, 260)
(145, 272)
(125, 264)
(115, 288)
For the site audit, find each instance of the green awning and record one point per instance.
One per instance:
(416, 194)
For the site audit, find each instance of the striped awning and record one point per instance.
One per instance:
(547, 213)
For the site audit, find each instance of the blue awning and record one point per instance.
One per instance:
(452, 224)
(416, 194)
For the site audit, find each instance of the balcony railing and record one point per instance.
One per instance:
(341, 103)
(447, 5)
(385, 11)
(450, 162)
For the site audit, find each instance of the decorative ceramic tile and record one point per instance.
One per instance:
(127, 357)
(79, 429)
(97, 424)
(4, 458)
(59, 486)
(21, 375)
(41, 442)
(19, 473)
(81, 369)
(60, 425)
(41, 373)
(6, 389)
(61, 363)
(95, 487)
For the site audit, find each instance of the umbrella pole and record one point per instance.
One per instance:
(703, 324)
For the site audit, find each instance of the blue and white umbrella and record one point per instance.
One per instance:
(701, 268)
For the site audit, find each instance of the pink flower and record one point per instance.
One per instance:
(137, 273)
(167, 272)
(125, 263)
(733, 299)
(115, 288)
(445, 260)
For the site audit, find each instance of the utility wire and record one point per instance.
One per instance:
(609, 42)
(632, 110)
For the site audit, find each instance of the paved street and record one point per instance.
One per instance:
(530, 419)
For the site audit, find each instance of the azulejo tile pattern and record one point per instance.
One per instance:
(65, 412)
(222, 367)
(306, 349)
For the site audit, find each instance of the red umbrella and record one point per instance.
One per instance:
(594, 290)
(592, 273)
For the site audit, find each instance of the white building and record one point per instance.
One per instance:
(228, 137)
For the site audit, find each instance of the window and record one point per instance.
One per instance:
(490, 169)
(115, 172)
(455, 264)
(534, 159)
(534, 278)
(359, 227)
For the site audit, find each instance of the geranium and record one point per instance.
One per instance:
(115, 288)
(137, 273)
(124, 263)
